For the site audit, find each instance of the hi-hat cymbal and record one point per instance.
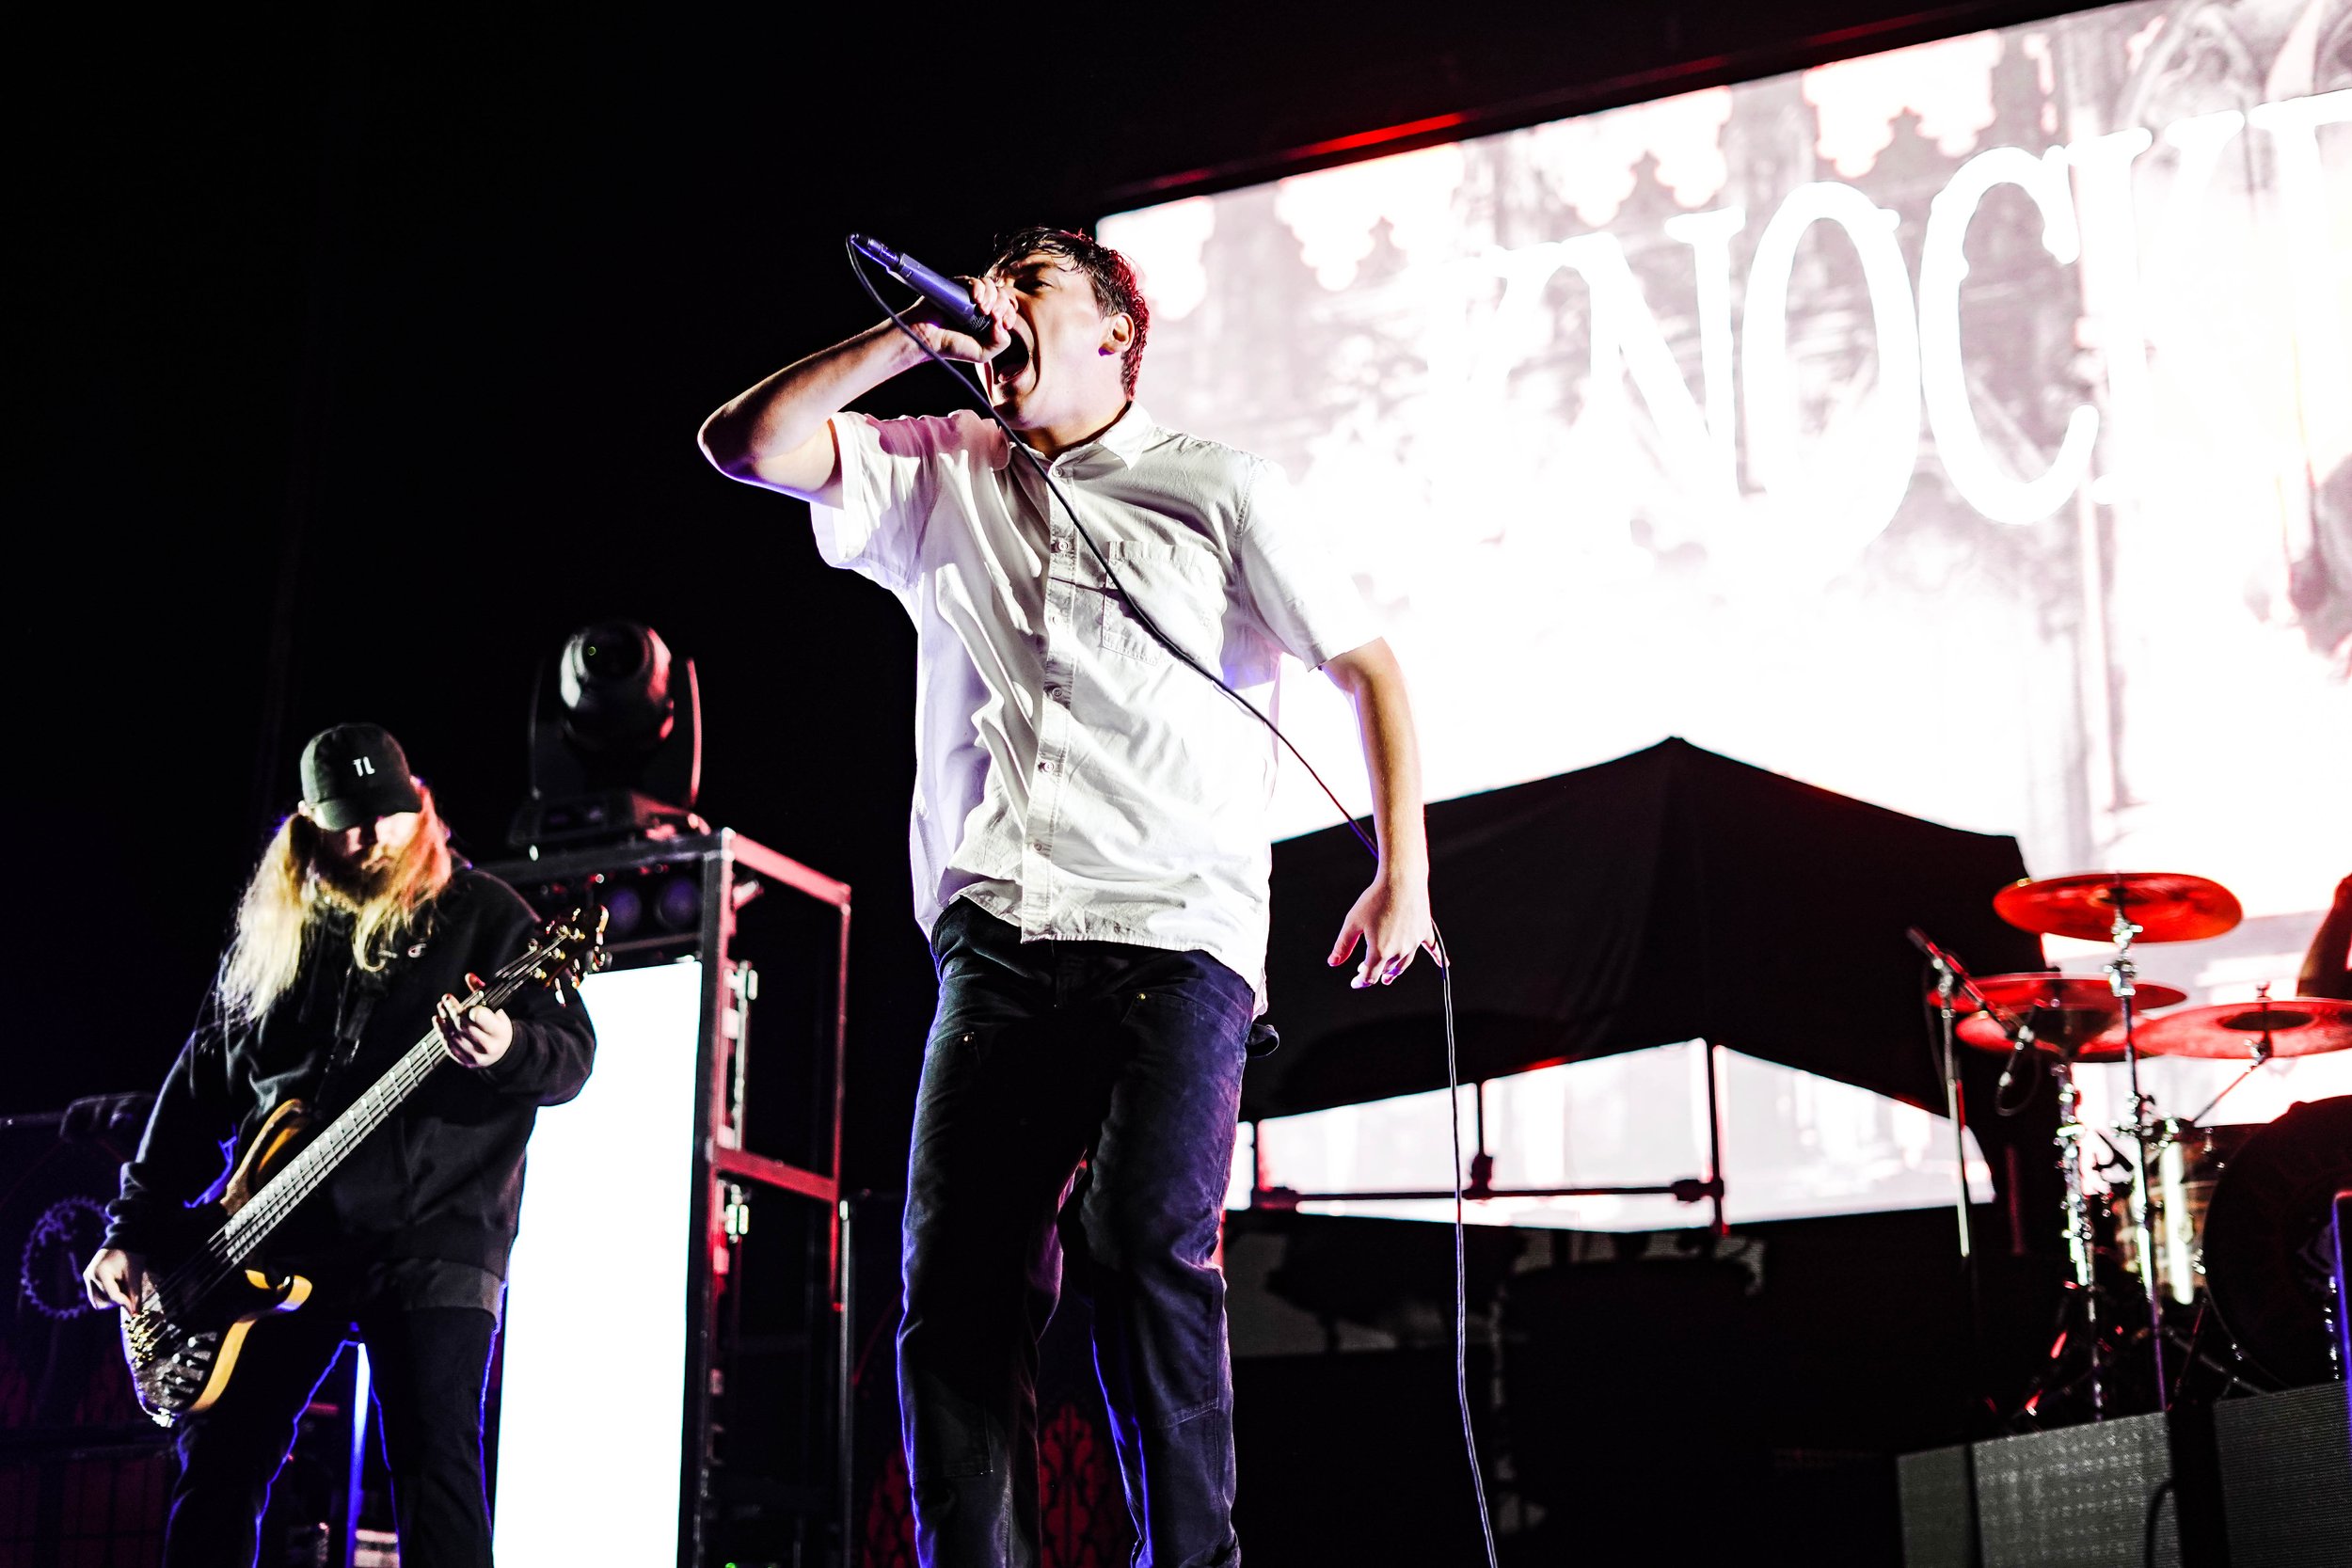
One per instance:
(2233, 1031)
(2068, 1012)
(2167, 906)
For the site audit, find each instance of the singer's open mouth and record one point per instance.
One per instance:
(1012, 361)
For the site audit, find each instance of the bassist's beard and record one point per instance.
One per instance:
(351, 887)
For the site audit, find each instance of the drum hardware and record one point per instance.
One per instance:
(2007, 1012)
(2165, 905)
(2191, 1157)
(2178, 1259)
(2071, 1013)
(2081, 1240)
(2263, 1047)
(2122, 975)
(2234, 1222)
(2060, 1017)
(2123, 907)
(1951, 979)
(2069, 1365)
(2233, 1031)
(2269, 1247)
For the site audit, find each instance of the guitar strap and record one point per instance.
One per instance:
(354, 993)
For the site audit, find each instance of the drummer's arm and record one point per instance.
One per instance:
(2324, 963)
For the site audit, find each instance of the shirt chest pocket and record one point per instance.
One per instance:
(1180, 586)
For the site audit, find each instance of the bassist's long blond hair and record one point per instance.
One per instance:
(287, 890)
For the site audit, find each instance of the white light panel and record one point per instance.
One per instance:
(1796, 1145)
(593, 1409)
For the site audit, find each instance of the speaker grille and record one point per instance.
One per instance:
(2286, 1478)
(2084, 1497)
(1938, 1522)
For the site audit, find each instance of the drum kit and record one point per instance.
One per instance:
(2231, 1217)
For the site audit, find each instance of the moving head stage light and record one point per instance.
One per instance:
(615, 742)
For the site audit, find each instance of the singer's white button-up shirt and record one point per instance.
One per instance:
(1071, 776)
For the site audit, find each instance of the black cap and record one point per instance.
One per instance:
(356, 772)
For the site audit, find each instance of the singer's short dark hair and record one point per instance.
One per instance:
(1115, 290)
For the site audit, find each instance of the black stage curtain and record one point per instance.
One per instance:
(1671, 895)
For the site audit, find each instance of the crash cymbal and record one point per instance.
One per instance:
(2050, 990)
(2079, 1035)
(2067, 1012)
(2167, 906)
(2295, 1026)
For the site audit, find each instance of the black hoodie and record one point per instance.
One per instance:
(443, 1177)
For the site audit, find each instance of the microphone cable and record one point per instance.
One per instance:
(1438, 952)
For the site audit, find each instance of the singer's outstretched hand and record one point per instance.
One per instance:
(1391, 922)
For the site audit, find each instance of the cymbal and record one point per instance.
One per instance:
(2167, 906)
(2047, 990)
(2066, 1011)
(2078, 1035)
(2295, 1026)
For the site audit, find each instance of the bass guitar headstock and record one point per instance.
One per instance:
(567, 949)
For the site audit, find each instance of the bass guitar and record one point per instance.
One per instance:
(196, 1302)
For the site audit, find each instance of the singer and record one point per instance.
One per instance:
(1090, 855)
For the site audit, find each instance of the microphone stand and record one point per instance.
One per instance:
(2081, 1239)
(1952, 978)
(1946, 989)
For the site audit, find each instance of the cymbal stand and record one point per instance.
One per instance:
(2081, 1240)
(2123, 978)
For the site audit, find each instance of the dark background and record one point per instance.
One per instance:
(359, 361)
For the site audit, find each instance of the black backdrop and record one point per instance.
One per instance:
(1672, 894)
(356, 361)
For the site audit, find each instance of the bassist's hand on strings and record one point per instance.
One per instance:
(476, 1037)
(115, 1279)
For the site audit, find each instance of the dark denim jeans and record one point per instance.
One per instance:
(429, 1365)
(1043, 1056)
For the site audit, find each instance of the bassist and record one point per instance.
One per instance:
(353, 936)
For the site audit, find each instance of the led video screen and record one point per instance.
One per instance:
(1965, 428)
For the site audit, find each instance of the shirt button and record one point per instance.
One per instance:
(1057, 547)
(1037, 849)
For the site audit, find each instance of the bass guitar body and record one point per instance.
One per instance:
(201, 1297)
(196, 1307)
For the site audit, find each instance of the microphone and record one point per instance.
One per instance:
(1937, 956)
(2020, 1033)
(951, 299)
